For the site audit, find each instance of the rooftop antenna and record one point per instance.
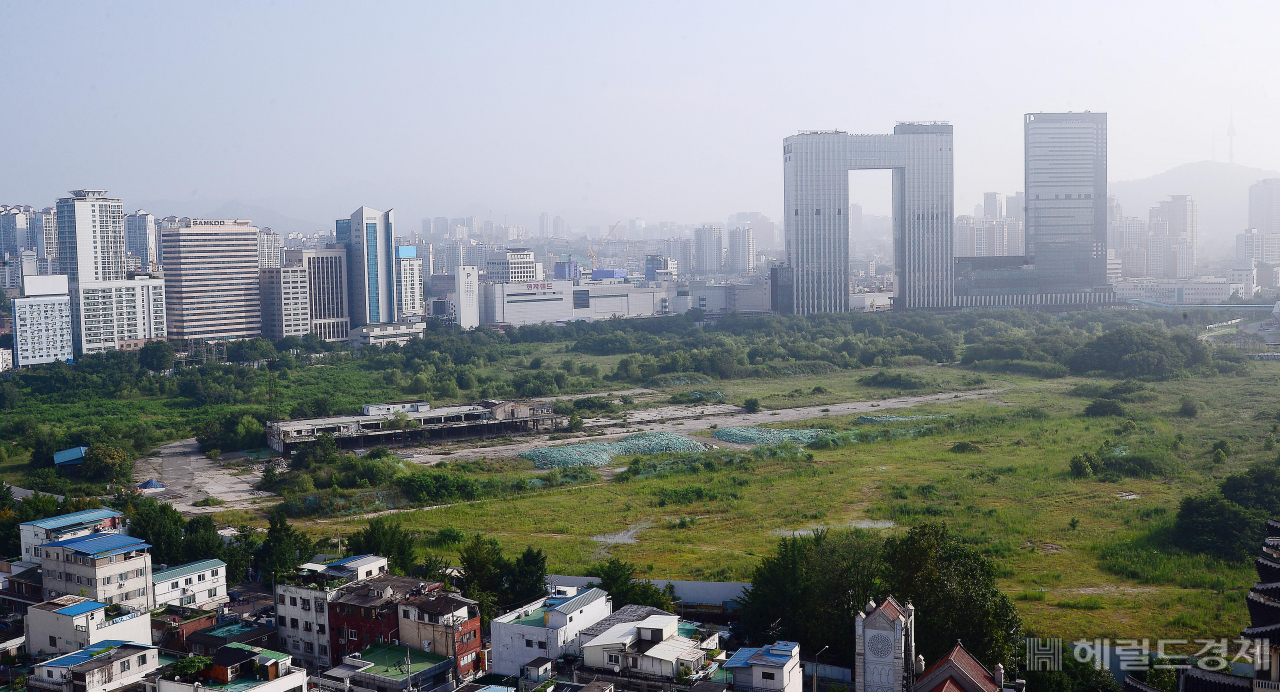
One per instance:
(1231, 138)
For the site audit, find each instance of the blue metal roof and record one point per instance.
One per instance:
(90, 652)
(100, 544)
(740, 658)
(81, 608)
(74, 455)
(88, 516)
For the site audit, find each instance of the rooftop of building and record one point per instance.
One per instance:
(625, 632)
(388, 661)
(86, 517)
(184, 570)
(382, 589)
(957, 661)
(361, 418)
(70, 604)
(775, 655)
(535, 616)
(93, 651)
(627, 613)
(101, 544)
(437, 600)
(235, 631)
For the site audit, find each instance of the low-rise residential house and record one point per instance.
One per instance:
(627, 613)
(302, 605)
(444, 622)
(389, 668)
(70, 623)
(200, 584)
(773, 667)
(102, 667)
(240, 668)
(231, 630)
(22, 590)
(651, 647)
(37, 533)
(366, 612)
(171, 625)
(546, 627)
(111, 568)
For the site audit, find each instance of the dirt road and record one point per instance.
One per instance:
(190, 476)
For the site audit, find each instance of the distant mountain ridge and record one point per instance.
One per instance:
(1221, 192)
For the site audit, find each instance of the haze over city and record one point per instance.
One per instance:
(598, 112)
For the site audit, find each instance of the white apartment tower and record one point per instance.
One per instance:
(286, 308)
(44, 224)
(816, 169)
(1264, 206)
(91, 248)
(512, 266)
(121, 315)
(1183, 230)
(211, 277)
(708, 250)
(42, 321)
(409, 298)
(142, 239)
(742, 251)
(269, 249)
(14, 229)
(467, 297)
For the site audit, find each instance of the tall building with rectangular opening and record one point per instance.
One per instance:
(816, 169)
(327, 293)
(1066, 202)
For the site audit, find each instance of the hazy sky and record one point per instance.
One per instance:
(663, 111)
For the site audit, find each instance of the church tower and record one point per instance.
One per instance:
(886, 641)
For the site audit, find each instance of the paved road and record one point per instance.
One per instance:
(688, 419)
(19, 493)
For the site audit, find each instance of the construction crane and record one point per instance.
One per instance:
(591, 251)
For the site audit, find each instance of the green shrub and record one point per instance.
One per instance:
(1189, 407)
(751, 405)
(1102, 408)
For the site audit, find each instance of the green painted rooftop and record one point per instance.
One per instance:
(536, 619)
(260, 651)
(387, 660)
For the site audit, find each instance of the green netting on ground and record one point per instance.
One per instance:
(601, 453)
(894, 419)
(767, 436)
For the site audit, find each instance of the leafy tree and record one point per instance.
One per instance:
(201, 540)
(484, 568)
(238, 554)
(618, 578)
(160, 525)
(388, 538)
(953, 588)
(751, 405)
(107, 462)
(527, 577)
(285, 547)
(1212, 524)
(433, 567)
(156, 356)
(1258, 488)
(811, 590)
(190, 665)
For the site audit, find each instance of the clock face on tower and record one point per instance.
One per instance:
(879, 645)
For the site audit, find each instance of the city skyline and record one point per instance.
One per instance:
(526, 142)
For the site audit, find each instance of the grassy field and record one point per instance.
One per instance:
(1081, 558)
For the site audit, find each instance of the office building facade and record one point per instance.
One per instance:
(409, 277)
(370, 263)
(466, 308)
(515, 265)
(211, 278)
(816, 169)
(1264, 206)
(42, 322)
(1178, 218)
(286, 307)
(1066, 201)
(327, 293)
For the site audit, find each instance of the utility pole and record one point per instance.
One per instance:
(815, 667)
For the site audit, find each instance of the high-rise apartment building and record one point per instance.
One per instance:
(142, 239)
(327, 293)
(44, 226)
(992, 205)
(211, 278)
(544, 225)
(659, 268)
(1182, 228)
(514, 265)
(558, 228)
(409, 277)
(91, 241)
(42, 321)
(286, 300)
(1264, 206)
(1066, 205)
(680, 250)
(742, 251)
(466, 308)
(121, 315)
(370, 256)
(14, 229)
(765, 230)
(270, 249)
(708, 250)
(1015, 206)
(816, 169)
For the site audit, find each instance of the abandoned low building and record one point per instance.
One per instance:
(413, 422)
